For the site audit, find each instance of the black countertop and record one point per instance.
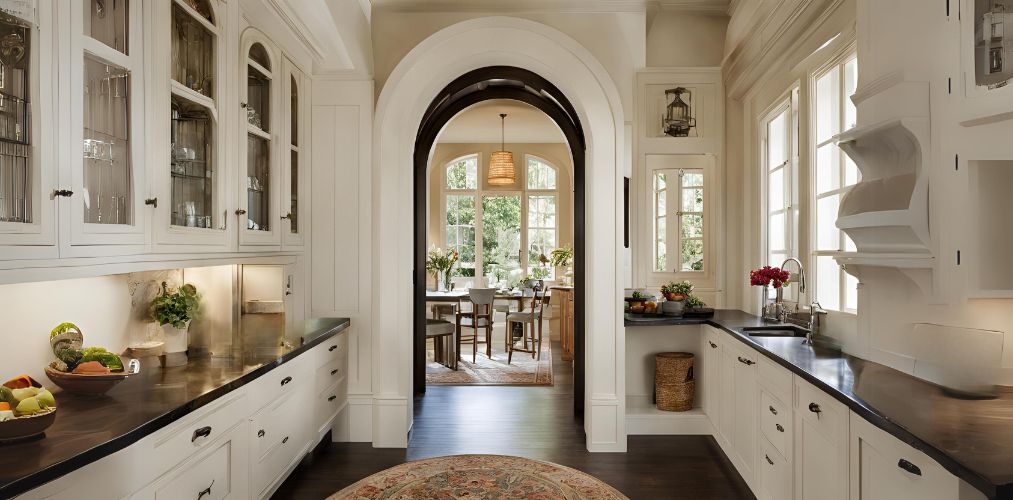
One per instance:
(971, 438)
(88, 429)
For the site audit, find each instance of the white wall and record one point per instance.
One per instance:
(684, 39)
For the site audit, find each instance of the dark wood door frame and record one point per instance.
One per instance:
(498, 82)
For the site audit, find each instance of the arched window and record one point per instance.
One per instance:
(540, 175)
(462, 173)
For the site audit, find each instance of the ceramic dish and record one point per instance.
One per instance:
(91, 384)
(25, 427)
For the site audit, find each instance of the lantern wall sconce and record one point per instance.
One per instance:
(678, 119)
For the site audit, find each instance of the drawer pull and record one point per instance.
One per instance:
(332, 398)
(202, 432)
(779, 428)
(815, 408)
(333, 347)
(261, 433)
(334, 371)
(769, 461)
(745, 361)
(207, 491)
(285, 381)
(909, 467)
(713, 345)
(772, 410)
(283, 441)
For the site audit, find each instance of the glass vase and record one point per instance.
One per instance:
(768, 303)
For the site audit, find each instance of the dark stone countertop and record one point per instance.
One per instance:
(971, 438)
(88, 429)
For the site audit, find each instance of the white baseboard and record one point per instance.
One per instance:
(390, 422)
(360, 418)
(604, 426)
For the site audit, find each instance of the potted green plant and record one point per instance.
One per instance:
(174, 309)
(675, 297)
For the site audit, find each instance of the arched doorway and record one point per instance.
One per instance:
(485, 84)
(407, 95)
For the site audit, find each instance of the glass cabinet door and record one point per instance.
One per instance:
(259, 213)
(292, 183)
(27, 131)
(105, 87)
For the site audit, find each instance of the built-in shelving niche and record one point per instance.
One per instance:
(886, 214)
(990, 238)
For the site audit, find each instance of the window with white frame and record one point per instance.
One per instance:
(779, 144)
(462, 185)
(833, 174)
(678, 196)
(541, 183)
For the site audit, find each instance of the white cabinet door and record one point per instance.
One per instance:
(746, 416)
(221, 471)
(884, 468)
(708, 374)
(295, 173)
(726, 399)
(821, 445)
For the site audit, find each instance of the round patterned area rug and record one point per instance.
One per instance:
(479, 476)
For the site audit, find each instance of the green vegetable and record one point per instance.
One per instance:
(29, 406)
(680, 288)
(100, 354)
(63, 328)
(25, 393)
(46, 398)
(7, 396)
(693, 301)
(175, 307)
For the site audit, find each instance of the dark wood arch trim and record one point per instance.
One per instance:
(497, 82)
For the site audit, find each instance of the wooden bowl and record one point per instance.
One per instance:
(22, 428)
(87, 384)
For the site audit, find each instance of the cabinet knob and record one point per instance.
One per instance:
(769, 461)
(261, 433)
(285, 381)
(206, 491)
(713, 345)
(333, 347)
(240, 211)
(745, 361)
(815, 408)
(334, 371)
(151, 201)
(779, 428)
(909, 467)
(66, 193)
(283, 441)
(332, 398)
(287, 216)
(199, 433)
(772, 410)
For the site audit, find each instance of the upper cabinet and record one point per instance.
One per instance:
(103, 180)
(259, 214)
(27, 155)
(293, 184)
(187, 155)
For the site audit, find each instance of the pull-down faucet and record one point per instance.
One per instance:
(781, 310)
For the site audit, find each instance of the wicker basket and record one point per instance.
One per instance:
(673, 381)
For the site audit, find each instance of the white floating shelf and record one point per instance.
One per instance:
(644, 418)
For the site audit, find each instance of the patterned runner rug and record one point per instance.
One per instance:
(523, 370)
(479, 476)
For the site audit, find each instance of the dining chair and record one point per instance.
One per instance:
(531, 323)
(438, 330)
(480, 316)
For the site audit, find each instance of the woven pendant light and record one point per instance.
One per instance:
(501, 163)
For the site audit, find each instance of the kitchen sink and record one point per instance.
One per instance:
(775, 331)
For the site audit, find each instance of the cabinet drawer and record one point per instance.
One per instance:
(776, 378)
(276, 383)
(773, 473)
(775, 423)
(826, 414)
(330, 373)
(329, 401)
(181, 440)
(206, 479)
(884, 468)
(275, 423)
(331, 349)
(269, 468)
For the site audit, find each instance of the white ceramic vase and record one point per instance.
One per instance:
(176, 339)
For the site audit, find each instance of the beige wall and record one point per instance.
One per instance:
(556, 154)
(615, 39)
(681, 39)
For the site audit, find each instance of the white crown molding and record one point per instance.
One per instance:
(297, 27)
(515, 6)
(721, 7)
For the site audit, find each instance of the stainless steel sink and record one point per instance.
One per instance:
(775, 331)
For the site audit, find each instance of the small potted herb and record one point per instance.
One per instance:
(173, 309)
(675, 297)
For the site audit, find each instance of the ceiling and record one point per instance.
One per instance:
(481, 124)
(585, 6)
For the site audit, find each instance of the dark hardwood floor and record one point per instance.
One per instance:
(533, 422)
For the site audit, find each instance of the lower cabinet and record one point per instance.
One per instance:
(884, 468)
(220, 471)
(773, 473)
(821, 444)
(746, 415)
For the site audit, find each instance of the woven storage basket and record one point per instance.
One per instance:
(673, 381)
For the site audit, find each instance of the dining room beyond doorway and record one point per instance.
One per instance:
(500, 239)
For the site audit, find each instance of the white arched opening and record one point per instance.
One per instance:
(428, 68)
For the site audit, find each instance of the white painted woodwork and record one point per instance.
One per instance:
(708, 373)
(876, 473)
(773, 473)
(726, 384)
(222, 471)
(745, 413)
(821, 445)
(300, 146)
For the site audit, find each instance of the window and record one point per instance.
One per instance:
(780, 157)
(460, 230)
(833, 173)
(679, 197)
(541, 175)
(541, 182)
(463, 173)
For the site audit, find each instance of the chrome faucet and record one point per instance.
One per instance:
(781, 310)
(815, 311)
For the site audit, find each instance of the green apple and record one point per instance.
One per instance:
(46, 398)
(28, 406)
(27, 392)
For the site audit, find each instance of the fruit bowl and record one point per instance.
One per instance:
(88, 384)
(27, 426)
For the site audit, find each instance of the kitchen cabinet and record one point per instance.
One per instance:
(709, 374)
(218, 472)
(294, 186)
(745, 413)
(884, 468)
(102, 180)
(821, 444)
(27, 146)
(259, 199)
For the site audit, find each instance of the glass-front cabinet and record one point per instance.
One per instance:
(186, 147)
(259, 219)
(107, 121)
(27, 156)
(293, 182)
